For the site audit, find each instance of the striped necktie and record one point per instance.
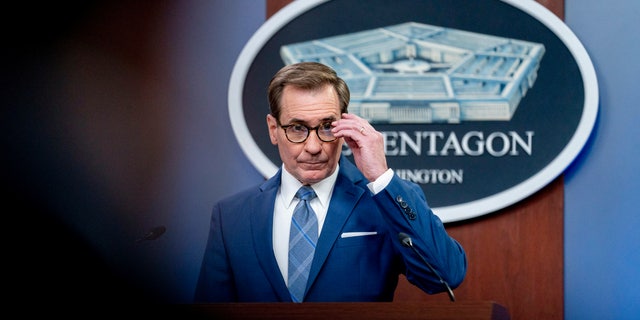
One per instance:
(302, 243)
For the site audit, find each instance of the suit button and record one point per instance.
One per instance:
(401, 201)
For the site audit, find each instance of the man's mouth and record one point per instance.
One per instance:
(312, 164)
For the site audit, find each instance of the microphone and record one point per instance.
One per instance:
(153, 234)
(406, 241)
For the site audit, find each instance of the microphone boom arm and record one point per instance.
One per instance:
(406, 241)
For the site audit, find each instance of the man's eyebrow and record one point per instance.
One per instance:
(331, 118)
(300, 121)
(296, 120)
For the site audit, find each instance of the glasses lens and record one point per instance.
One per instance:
(297, 133)
(324, 132)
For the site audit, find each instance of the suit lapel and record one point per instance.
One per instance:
(262, 233)
(343, 200)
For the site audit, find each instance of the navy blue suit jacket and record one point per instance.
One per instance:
(239, 264)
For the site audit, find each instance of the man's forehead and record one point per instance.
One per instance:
(309, 104)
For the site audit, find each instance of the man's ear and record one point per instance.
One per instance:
(272, 125)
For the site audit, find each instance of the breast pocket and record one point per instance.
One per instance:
(359, 238)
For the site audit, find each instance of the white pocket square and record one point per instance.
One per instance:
(358, 234)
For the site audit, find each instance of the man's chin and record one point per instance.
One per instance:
(311, 176)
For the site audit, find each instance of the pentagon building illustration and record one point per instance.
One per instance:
(418, 73)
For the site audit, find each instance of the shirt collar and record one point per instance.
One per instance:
(289, 185)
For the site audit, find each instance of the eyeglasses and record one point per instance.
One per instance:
(298, 133)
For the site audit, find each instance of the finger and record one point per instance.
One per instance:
(355, 123)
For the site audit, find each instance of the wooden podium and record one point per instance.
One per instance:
(460, 310)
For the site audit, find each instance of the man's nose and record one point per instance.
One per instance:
(313, 144)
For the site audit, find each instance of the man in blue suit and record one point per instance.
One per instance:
(358, 212)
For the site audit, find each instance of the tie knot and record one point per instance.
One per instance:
(305, 193)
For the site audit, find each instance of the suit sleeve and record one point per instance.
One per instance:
(405, 209)
(215, 280)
